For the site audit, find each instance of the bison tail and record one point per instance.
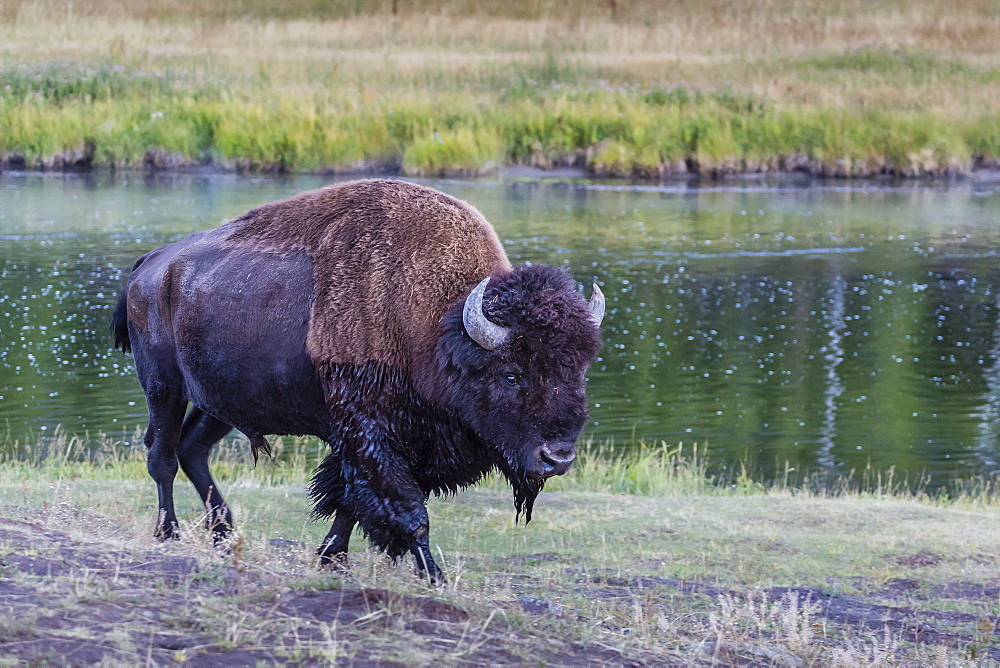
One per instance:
(119, 320)
(119, 324)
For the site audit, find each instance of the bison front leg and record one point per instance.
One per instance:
(366, 480)
(392, 513)
(426, 565)
(333, 550)
(390, 509)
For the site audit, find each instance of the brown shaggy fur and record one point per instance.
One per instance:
(362, 236)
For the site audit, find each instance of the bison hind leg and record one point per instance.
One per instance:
(199, 434)
(327, 491)
(166, 414)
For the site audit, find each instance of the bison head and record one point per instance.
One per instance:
(512, 359)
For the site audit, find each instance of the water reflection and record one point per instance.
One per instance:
(829, 328)
(989, 412)
(833, 353)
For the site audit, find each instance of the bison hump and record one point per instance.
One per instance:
(389, 258)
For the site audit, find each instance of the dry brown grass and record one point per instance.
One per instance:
(752, 45)
(750, 26)
(938, 61)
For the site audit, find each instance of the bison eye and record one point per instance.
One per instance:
(512, 379)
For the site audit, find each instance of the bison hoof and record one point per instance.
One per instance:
(336, 563)
(221, 529)
(426, 567)
(435, 577)
(221, 536)
(167, 532)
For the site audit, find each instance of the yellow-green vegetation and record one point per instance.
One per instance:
(641, 556)
(620, 87)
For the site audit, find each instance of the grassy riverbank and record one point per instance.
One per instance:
(679, 570)
(619, 88)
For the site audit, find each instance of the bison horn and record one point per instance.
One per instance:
(487, 334)
(597, 305)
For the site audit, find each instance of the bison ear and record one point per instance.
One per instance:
(597, 306)
(487, 334)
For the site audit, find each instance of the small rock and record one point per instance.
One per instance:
(537, 606)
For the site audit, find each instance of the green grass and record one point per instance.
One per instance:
(451, 88)
(635, 469)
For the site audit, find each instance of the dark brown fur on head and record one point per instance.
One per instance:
(552, 339)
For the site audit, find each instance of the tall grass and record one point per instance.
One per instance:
(636, 469)
(625, 88)
(126, 114)
(641, 470)
(106, 457)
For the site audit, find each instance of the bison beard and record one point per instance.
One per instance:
(382, 317)
(525, 491)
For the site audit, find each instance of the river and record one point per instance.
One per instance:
(822, 327)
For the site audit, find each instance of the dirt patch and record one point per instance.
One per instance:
(67, 602)
(898, 590)
(349, 606)
(917, 622)
(921, 559)
(918, 625)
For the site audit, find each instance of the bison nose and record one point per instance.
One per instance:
(556, 458)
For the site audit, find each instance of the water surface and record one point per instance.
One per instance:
(820, 328)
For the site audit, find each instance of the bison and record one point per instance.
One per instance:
(381, 316)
